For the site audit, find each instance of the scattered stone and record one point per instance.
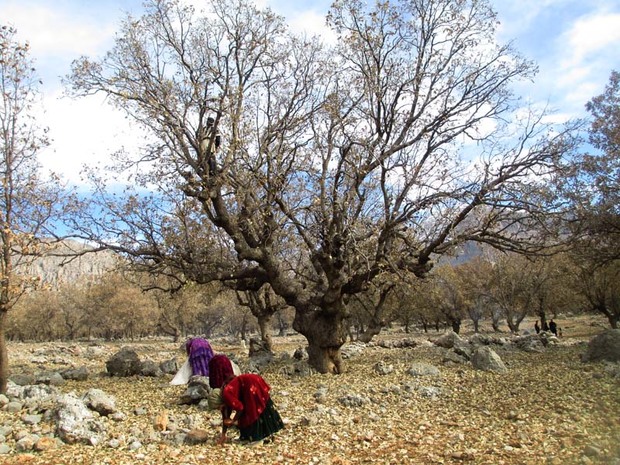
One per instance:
(532, 342)
(423, 369)
(31, 419)
(46, 443)
(161, 421)
(76, 423)
(26, 443)
(33, 427)
(76, 374)
(429, 391)
(117, 416)
(114, 443)
(321, 394)
(139, 411)
(353, 400)
(14, 406)
(352, 349)
(22, 379)
(197, 436)
(383, 368)
(135, 445)
(592, 451)
(398, 344)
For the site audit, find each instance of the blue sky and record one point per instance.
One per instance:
(576, 44)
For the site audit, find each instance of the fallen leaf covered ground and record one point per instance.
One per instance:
(549, 408)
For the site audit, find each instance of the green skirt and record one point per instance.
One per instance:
(267, 424)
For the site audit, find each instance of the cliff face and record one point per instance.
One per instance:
(69, 262)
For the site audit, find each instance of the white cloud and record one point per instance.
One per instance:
(573, 42)
(83, 132)
(518, 16)
(587, 54)
(60, 33)
(590, 36)
(51, 31)
(313, 24)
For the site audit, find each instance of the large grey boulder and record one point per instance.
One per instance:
(23, 379)
(151, 368)
(449, 340)
(99, 401)
(604, 347)
(76, 424)
(486, 359)
(51, 378)
(170, 367)
(531, 342)
(455, 357)
(124, 363)
(198, 388)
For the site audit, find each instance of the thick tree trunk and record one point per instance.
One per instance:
(514, 321)
(169, 329)
(325, 332)
(264, 327)
(456, 325)
(373, 329)
(612, 317)
(514, 328)
(4, 356)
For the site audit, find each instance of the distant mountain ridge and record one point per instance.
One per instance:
(69, 262)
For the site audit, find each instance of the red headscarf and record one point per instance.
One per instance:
(220, 371)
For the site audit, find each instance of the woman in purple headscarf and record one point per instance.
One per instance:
(200, 354)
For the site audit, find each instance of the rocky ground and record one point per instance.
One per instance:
(548, 408)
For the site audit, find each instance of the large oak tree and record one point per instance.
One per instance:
(316, 167)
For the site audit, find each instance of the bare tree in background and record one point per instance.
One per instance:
(592, 187)
(324, 166)
(28, 201)
(263, 304)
